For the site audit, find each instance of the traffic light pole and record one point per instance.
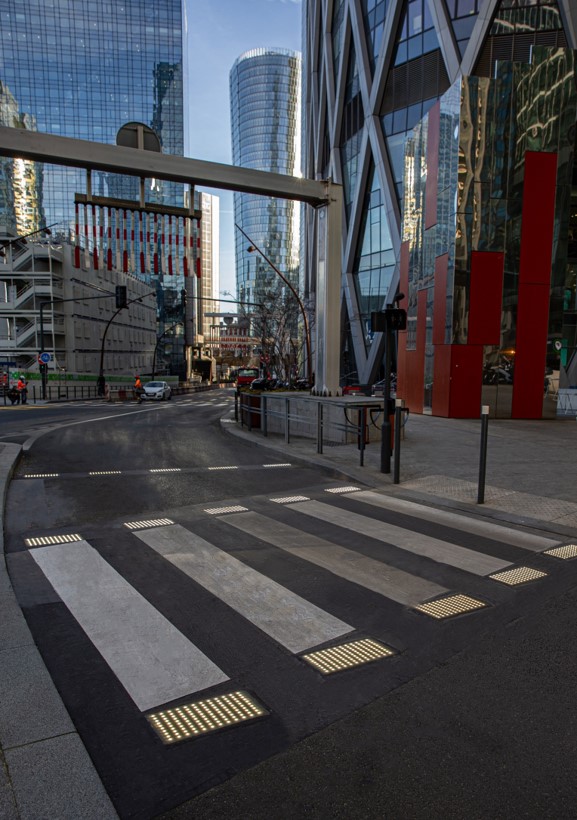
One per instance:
(386, 425)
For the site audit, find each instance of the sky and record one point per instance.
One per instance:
(219, 32)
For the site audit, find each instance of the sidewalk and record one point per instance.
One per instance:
(531, 471)
(531, 480)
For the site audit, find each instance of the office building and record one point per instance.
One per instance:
(373, 72)
(265, 95)
(84, 70)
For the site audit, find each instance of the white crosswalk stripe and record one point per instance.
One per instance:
(442, 551)
(153, 660)
(379, 577)
(295, 623)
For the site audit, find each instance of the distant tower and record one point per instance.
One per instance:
(265, 95)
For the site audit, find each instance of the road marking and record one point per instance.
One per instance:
(153, 660)
(386, 580)
(506, 535)
(286, 617)
(444, 552)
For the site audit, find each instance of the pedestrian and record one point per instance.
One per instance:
(138, 388)
(22, 389)
(14, 395)
(101, 385)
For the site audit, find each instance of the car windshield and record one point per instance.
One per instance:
(154, 384)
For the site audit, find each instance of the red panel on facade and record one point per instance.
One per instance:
(485, 298)
(442, 380)
(530, 351)
(440, 300)
(538, 215)
(414, 369)
(466, 381)
(432, 189)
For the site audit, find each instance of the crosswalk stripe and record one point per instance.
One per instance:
(153, 660)
(391, 582)
(286, 617)
(443, 552)
(488, 529)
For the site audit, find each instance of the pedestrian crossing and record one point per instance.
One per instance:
(297, 591)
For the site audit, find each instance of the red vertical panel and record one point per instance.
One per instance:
(402, 365)
(530, 351)
(466, 381)
(442, 380)
(413, 383)
(486, 297)
(440, 299)
(432, 189)
(537, 218)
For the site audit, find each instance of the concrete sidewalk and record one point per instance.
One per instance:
(531, 480)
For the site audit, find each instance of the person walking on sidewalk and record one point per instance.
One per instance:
(138, 391)
(22, 389)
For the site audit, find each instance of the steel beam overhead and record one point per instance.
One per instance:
(94, 156)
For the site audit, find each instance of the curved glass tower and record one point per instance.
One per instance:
(265, 100)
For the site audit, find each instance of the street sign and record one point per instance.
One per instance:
(44, 358)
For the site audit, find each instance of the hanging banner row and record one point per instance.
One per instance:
(135, 241)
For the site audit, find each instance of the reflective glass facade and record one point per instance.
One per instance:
(374, 70)
(265, 119)
(488, 265)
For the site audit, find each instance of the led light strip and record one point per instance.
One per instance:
(166, 470)
(105, 472)
(44, 540)
(204, 716)
(223, 468)
(221, 510)
(289, 499)
(42, 475)
(277, 465)
(154, 522)
(343, 490)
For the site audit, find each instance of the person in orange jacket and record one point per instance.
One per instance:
(22, 389)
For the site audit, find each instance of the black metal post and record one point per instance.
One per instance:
(319, 428)
(43, 368)
(397, 448)
(483, 458)
(264, 417)
(287, 435)
(386, 426)
(363, 427)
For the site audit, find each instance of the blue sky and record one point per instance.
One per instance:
(219, 32)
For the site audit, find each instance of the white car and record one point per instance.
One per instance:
(156, 390)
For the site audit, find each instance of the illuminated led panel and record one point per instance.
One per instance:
(144, 525)
(277, 465)
(204, 716)
(42, 475)
(565, 552)
(105, 472)
(347, 656)
(290, 499)
(166, 470)
(343, 490)
(222, 510)
(43, 540)
(519, 575)
(452, 605)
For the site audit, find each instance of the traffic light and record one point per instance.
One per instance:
(391, 319)
(121, 298)
(43, 368)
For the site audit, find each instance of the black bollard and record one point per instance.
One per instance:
(483, 459)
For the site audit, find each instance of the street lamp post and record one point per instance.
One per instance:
(254, 247)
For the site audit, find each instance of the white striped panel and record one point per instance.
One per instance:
(295, 623)
(153, 660)
(443, 552)
(393, 583)
(487, 529)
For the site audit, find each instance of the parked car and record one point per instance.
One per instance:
(158, 391)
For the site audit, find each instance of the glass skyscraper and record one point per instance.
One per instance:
(265, 119)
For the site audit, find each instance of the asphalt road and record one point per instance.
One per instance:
(201, 567)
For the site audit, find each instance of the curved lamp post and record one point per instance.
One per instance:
(251, 249)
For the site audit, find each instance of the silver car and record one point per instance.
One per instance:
(156, 390)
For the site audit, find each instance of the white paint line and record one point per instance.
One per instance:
(443, 552)
(153, 660)
(286, 617)
(497, 532)
(386, 580)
